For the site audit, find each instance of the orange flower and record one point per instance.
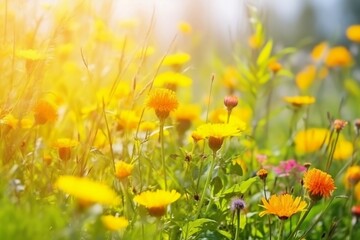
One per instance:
(283, 206)
(318, 183)
(353, 33)
(123, 169)
(262, 174)
(163, 101)
(338, 57)
(64, 146)
(274, 66)
(45, 111)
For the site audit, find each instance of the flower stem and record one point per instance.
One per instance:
(237, 224)
(281, 231)
(332, 151)
(162, 151)
(212, 166)
(312, 203)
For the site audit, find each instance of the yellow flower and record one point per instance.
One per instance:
(188, 112)
(156, 202)
(231, 78)
(176, 60)
(298, 101)
(163, 101)
(338, 57)
(184, 27)
(344, 150)
(64, 146)
(127, 120)
(319, 51)
(45, 111)
(319, 184)
(87, 191)
(306, 77)
(148, 126)
(185, 115)
(12, 122)
(172, 80)
(283, 206)
(255, 41)
(123, 169)
(217, 132)
(353, 33)
(113, 223)
(310, 140)
(352, 176)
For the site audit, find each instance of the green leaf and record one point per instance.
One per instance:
(217, 184)
(240, 188)
(265, 53)
(225, 234)
(194, 227)
(235, 169)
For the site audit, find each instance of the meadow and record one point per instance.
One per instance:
(107, 134)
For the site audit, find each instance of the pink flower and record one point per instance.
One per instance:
(285, 168)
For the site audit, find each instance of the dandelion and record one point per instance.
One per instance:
(283, 206)
(176, 60)
(127, 120)
(343, 150)
(123, 169)
(352, 176)
(299, 101)
(319, 52)
(172, 80)
(353, 33)
(113, 223)
(338, 57)
(231, 78)
(163, 101)
(319, 184)
(64, 146)
(87, 191)
(216, 133)
(45, 111)
(157, 201)
(305, 78)
(310, 140)
(184, 117)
